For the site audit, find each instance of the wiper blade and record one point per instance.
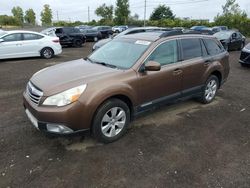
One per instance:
(100, 63)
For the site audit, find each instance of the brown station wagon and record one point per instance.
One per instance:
(103, 92)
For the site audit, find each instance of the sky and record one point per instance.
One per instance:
(74, 10)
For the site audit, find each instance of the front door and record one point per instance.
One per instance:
(161, 86)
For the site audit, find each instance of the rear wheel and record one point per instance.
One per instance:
(47, 53)
(78, 43)
(210, 89)
(241, 46)
(111, 121)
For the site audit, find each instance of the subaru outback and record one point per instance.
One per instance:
(127, 76)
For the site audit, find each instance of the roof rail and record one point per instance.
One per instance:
(171, 33)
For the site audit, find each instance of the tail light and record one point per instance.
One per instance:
(56, 41)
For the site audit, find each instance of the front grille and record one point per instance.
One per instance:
(245, 56)
(34, 93)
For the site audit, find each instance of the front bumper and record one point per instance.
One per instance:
(57, 120)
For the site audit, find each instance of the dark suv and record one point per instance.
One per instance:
(106, 31)
(127, 76)
(70, 36)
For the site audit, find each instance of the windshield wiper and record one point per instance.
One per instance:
(100, 63)
(105, 64)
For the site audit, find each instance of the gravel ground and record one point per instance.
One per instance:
(186, 144)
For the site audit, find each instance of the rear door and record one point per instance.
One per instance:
(32, 44)
(11, 47)
(193, 65)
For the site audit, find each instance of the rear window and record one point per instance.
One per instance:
(213, 47)
(191, 48)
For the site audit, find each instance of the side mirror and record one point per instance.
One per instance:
(1, 40)
(152, 66)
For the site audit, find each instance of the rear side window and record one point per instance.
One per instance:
(191, 48)
(213, 47)
(31, 36)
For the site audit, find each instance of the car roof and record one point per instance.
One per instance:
(21, 31)
(154, 36)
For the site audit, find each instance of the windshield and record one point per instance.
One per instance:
(2, 32)
(222, 35)
(120, 53)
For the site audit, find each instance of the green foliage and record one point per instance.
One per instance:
(30, 17)
(8, 20)
(162, 12)
(122, 12)
(18, 14)
(231, 7)
(46, 15)
(105, 12)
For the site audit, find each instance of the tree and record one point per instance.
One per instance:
(30, 17)
(122, 12)
(231, 7)
(162, 12)
(46, 15)
(106, 12)
(18, 14)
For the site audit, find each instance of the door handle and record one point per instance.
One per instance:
(177, 71)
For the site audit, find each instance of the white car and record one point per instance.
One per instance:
(17, 44)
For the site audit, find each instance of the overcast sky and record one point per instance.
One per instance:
(74, 10)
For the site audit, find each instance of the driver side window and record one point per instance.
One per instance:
(165, 54)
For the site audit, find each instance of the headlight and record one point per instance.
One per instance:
(66, 97)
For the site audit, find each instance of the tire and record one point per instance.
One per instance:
(210, 90)
(105, 123)
(78, 43)
(241, 46)
(95, 39)
(47, 53)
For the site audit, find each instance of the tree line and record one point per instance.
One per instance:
(19, 17)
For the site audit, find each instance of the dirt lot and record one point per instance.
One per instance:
(183, 145)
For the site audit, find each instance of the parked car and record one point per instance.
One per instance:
(18, 44)
(106, 31)
(104, 92)
(119, 29)
(216, 29)
(92, 34)
(69, 36)
(245, 55)
(231, 40)
(129, 32)
(179, 28)
(198, 27)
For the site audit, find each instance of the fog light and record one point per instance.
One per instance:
(58, 128)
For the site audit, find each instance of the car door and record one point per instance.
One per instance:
(235, 41)
(193, 65)
(32, 44)
(157, 87)
(11, 46)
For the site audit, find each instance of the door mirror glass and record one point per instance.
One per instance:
(1, 40)
(152, 66)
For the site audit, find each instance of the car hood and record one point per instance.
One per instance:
(58, 78)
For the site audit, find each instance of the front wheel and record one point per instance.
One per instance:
(210, 89)
(111, 121)
(78, 43)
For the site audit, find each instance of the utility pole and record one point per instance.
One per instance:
(57, 16)
(88, 15)
(145, 11)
